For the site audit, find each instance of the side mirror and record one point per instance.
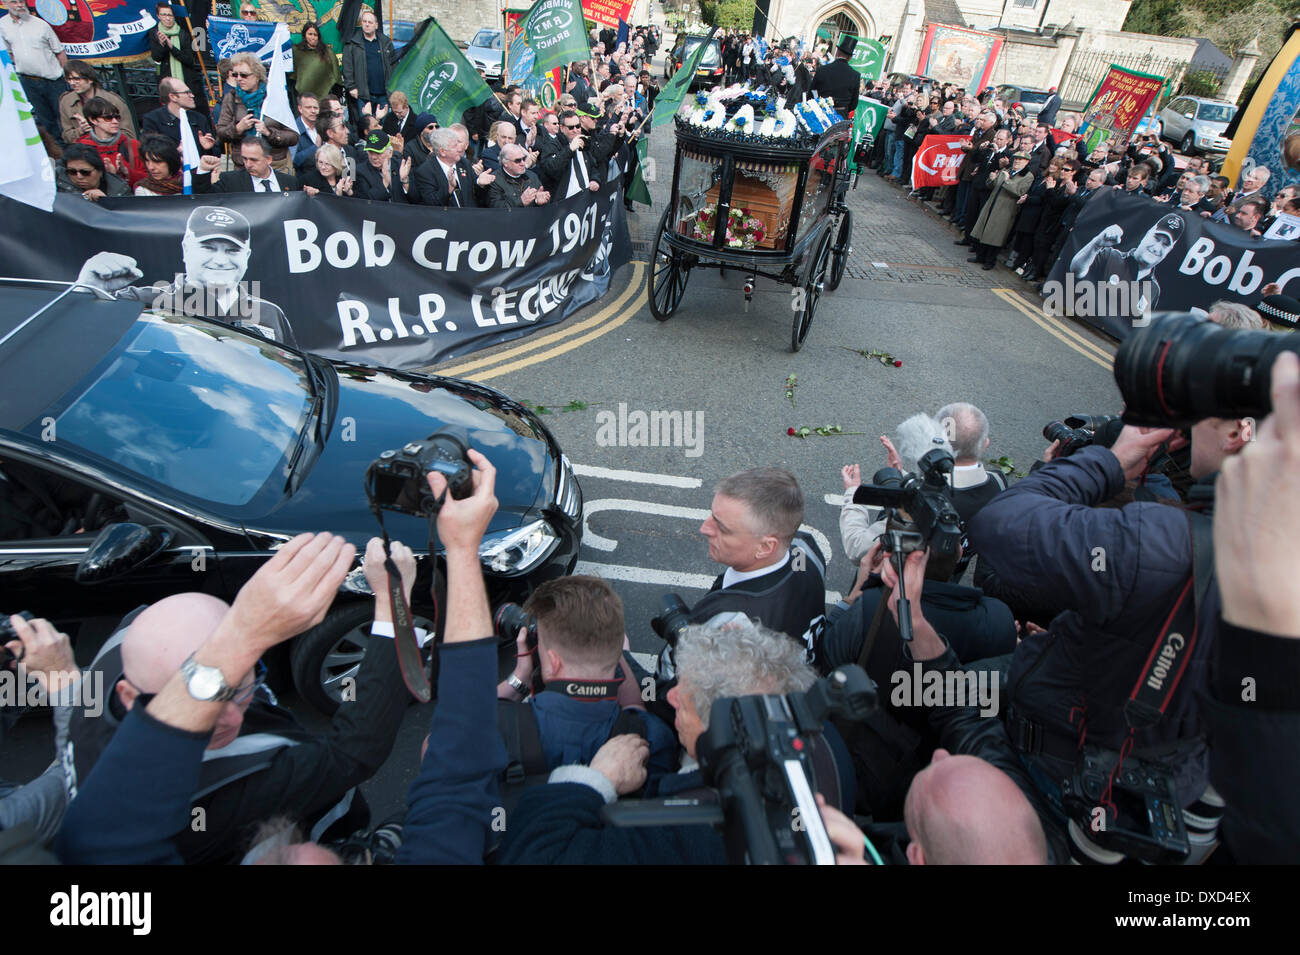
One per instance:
(120, 549)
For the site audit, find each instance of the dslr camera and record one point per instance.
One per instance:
(1143, 818)
(1081, 430)
(396, 480)
(920, 504)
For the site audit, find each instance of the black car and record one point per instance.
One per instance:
(708, 71)
(178, 453)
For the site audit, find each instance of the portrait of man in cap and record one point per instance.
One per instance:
(215, 250)
(1100, 260)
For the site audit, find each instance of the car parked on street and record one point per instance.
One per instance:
(177, 454)
(487, 52)
(1197, 124)
(1031, 99)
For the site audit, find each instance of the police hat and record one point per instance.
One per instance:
(1280, 310)
(1171, 225)
(847, 45)
(208, 221)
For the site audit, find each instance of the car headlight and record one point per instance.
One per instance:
(519, 551)
(568, 495)
(355, 582)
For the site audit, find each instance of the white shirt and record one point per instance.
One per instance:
(968, 475)
(33, 46)
(731, 576)
(270, 184)
(452, 180)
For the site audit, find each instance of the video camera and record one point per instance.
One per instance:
(758, 754)
(920, 503)
(1179, 370)
(1081, 430)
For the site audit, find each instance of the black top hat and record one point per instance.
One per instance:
(848, 44)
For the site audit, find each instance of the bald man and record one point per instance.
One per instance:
(278, 768)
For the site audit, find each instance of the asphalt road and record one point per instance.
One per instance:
(961, 334)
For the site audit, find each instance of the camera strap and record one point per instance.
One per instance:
(409, 660)
(874, 630)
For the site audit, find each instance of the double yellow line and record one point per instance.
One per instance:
(606, 320)
(1058, 330)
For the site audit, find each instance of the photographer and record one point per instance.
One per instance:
(260, 762)
(1122, 574)
(1254, 736)
(561, 822)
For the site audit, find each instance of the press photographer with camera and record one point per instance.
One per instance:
(1125, 576)
(1253, 707)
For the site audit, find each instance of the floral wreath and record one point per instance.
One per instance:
(744, 231)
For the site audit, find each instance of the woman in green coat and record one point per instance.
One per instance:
(998, 216)
(315, 67)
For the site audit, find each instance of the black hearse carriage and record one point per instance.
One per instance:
(762, 205)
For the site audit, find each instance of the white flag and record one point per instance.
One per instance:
(189, 153)
(26, 173)
(276, 105)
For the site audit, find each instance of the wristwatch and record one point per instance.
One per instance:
(206, 684)
(518, 685)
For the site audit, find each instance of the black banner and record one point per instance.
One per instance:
(377, 283)
(1130, 256)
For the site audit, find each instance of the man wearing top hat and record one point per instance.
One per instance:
(1100, 261)
(215, 250)
(838, 80)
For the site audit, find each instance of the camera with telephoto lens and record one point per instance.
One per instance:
(7, 635)
(397, 481)
(1179, 370)
(509, 619)
(1142, 817)
(758, 754)
(920, 504)
(674, 618)
(1081, 430)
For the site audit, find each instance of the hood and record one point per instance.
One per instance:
(378, 410)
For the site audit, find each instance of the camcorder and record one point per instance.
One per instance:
(757, 754)
(7, 635)
(1081, 430)
(1179, 370)
(396, 480)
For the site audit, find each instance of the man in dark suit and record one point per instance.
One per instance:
(256, 176)
(444, 180)
(382, 177)
(838, 80)
(1051, 105)
(166, 121)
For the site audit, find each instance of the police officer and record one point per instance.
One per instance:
(838, 80)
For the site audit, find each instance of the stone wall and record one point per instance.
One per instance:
(461, 19)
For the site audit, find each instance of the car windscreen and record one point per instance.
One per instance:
(1215, 112)
(487, 39)
(709, 59)
(1031, 96)
(190, 406)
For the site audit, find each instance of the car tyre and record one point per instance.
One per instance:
(1188, 144)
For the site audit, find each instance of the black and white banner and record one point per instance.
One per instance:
(1130, 256)
(376, 283)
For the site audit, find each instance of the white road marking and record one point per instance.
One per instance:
(881, 265)
(636, 477)
(646, 661)
(660, 578)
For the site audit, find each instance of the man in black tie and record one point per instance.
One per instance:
(442, 180)
(256, 176)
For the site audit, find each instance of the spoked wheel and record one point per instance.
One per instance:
(668, 274)
(841, 251)
(812, 290)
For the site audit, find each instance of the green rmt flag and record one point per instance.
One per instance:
(557, 34)
(437, 78)
(674, 91)
(868, 119)
(868, 58)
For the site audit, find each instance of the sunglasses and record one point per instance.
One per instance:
(79, 172)
(572, 125)
(240, 76)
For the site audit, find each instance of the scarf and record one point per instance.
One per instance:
(173, 64)
(253, 102)
(170, 186)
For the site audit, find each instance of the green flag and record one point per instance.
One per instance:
(638, 191)
(437, 78)
(868, 58)
(557, 34)
(674, 90)
(868, 118)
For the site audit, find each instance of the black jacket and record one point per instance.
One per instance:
(841, 83)
(239, 180)
(191, 72)
(370, 182)
(162, 122)
(355, 75)
(429, 184)
(506, 192)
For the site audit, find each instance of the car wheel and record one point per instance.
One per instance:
(1189, 144)
(324, 661)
